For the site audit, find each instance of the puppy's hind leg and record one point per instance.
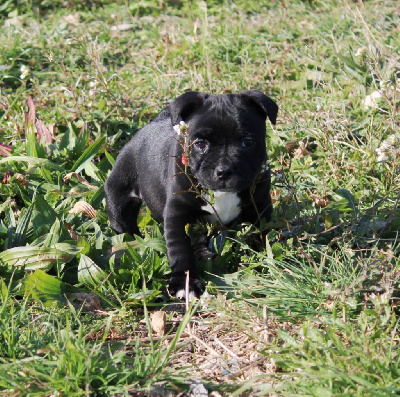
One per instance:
(122, 209)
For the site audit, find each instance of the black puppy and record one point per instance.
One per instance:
(202, 156)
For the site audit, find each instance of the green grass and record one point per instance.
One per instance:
(74, 297)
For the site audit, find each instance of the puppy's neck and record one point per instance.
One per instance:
(226, 205)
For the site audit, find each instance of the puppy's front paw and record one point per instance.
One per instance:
(177, 287)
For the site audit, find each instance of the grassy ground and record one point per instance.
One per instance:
(315, 313)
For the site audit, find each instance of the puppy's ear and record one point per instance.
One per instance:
(183, 106)
(263, 102)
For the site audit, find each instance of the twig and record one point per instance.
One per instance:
(250, 366)
(187, 291)
(229, 351)
(212, 351)
(265, 317)
(157, 338)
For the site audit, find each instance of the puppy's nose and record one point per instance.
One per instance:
(223, 172)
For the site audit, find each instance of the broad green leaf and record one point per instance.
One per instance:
(82, 139)
(268, 249)
(32, 258)
(22, 230)
(69, 248)
(54, 234)
(352, 64)
(83, 244)
(110, 158)
(31, 142)
(119, 248)
(102, 104)
(97, 197)
(68, 139)
(350, 200)
(99, 236)
(88, 154)
(39, 285)
(89, 273)
(33, 161)
(46, 174)
(43, 217)
(341, 206)
(3, 289)
(6, 205)
(156, 243)
(94, 172)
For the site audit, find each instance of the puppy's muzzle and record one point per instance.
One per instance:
(223, 172)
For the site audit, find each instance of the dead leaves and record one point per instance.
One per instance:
(74, 175)
(84, 208)
(320, 201)
(298, 149)
(158, 321)
(43, 133)
(301, 151)
(5, 150)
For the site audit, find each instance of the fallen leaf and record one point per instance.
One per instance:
(82, 180)
(74, 235)
(370, 101)
(30, 115)
(88, 302)
(6, 178)
(158, 320)
(291, 145)
(319, 201)
(5, 150)
(21, 179)
(84, 208)
(275, 194)
(72, 19)
(301, 151)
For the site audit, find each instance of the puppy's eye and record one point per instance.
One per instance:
(201, 144)
(247, 142)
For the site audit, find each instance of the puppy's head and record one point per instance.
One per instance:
(226, 136)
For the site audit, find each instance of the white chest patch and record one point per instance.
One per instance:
(227, 206)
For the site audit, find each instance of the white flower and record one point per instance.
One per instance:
(67, 92)
(180, 128)
(93, 84)
(388, 147)
(370, 101)
(361, 51)
(265, 165)
(380, 150)
(24, 71)
(384, 83)
(393, 140)
(382, 157)
(382, 299)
